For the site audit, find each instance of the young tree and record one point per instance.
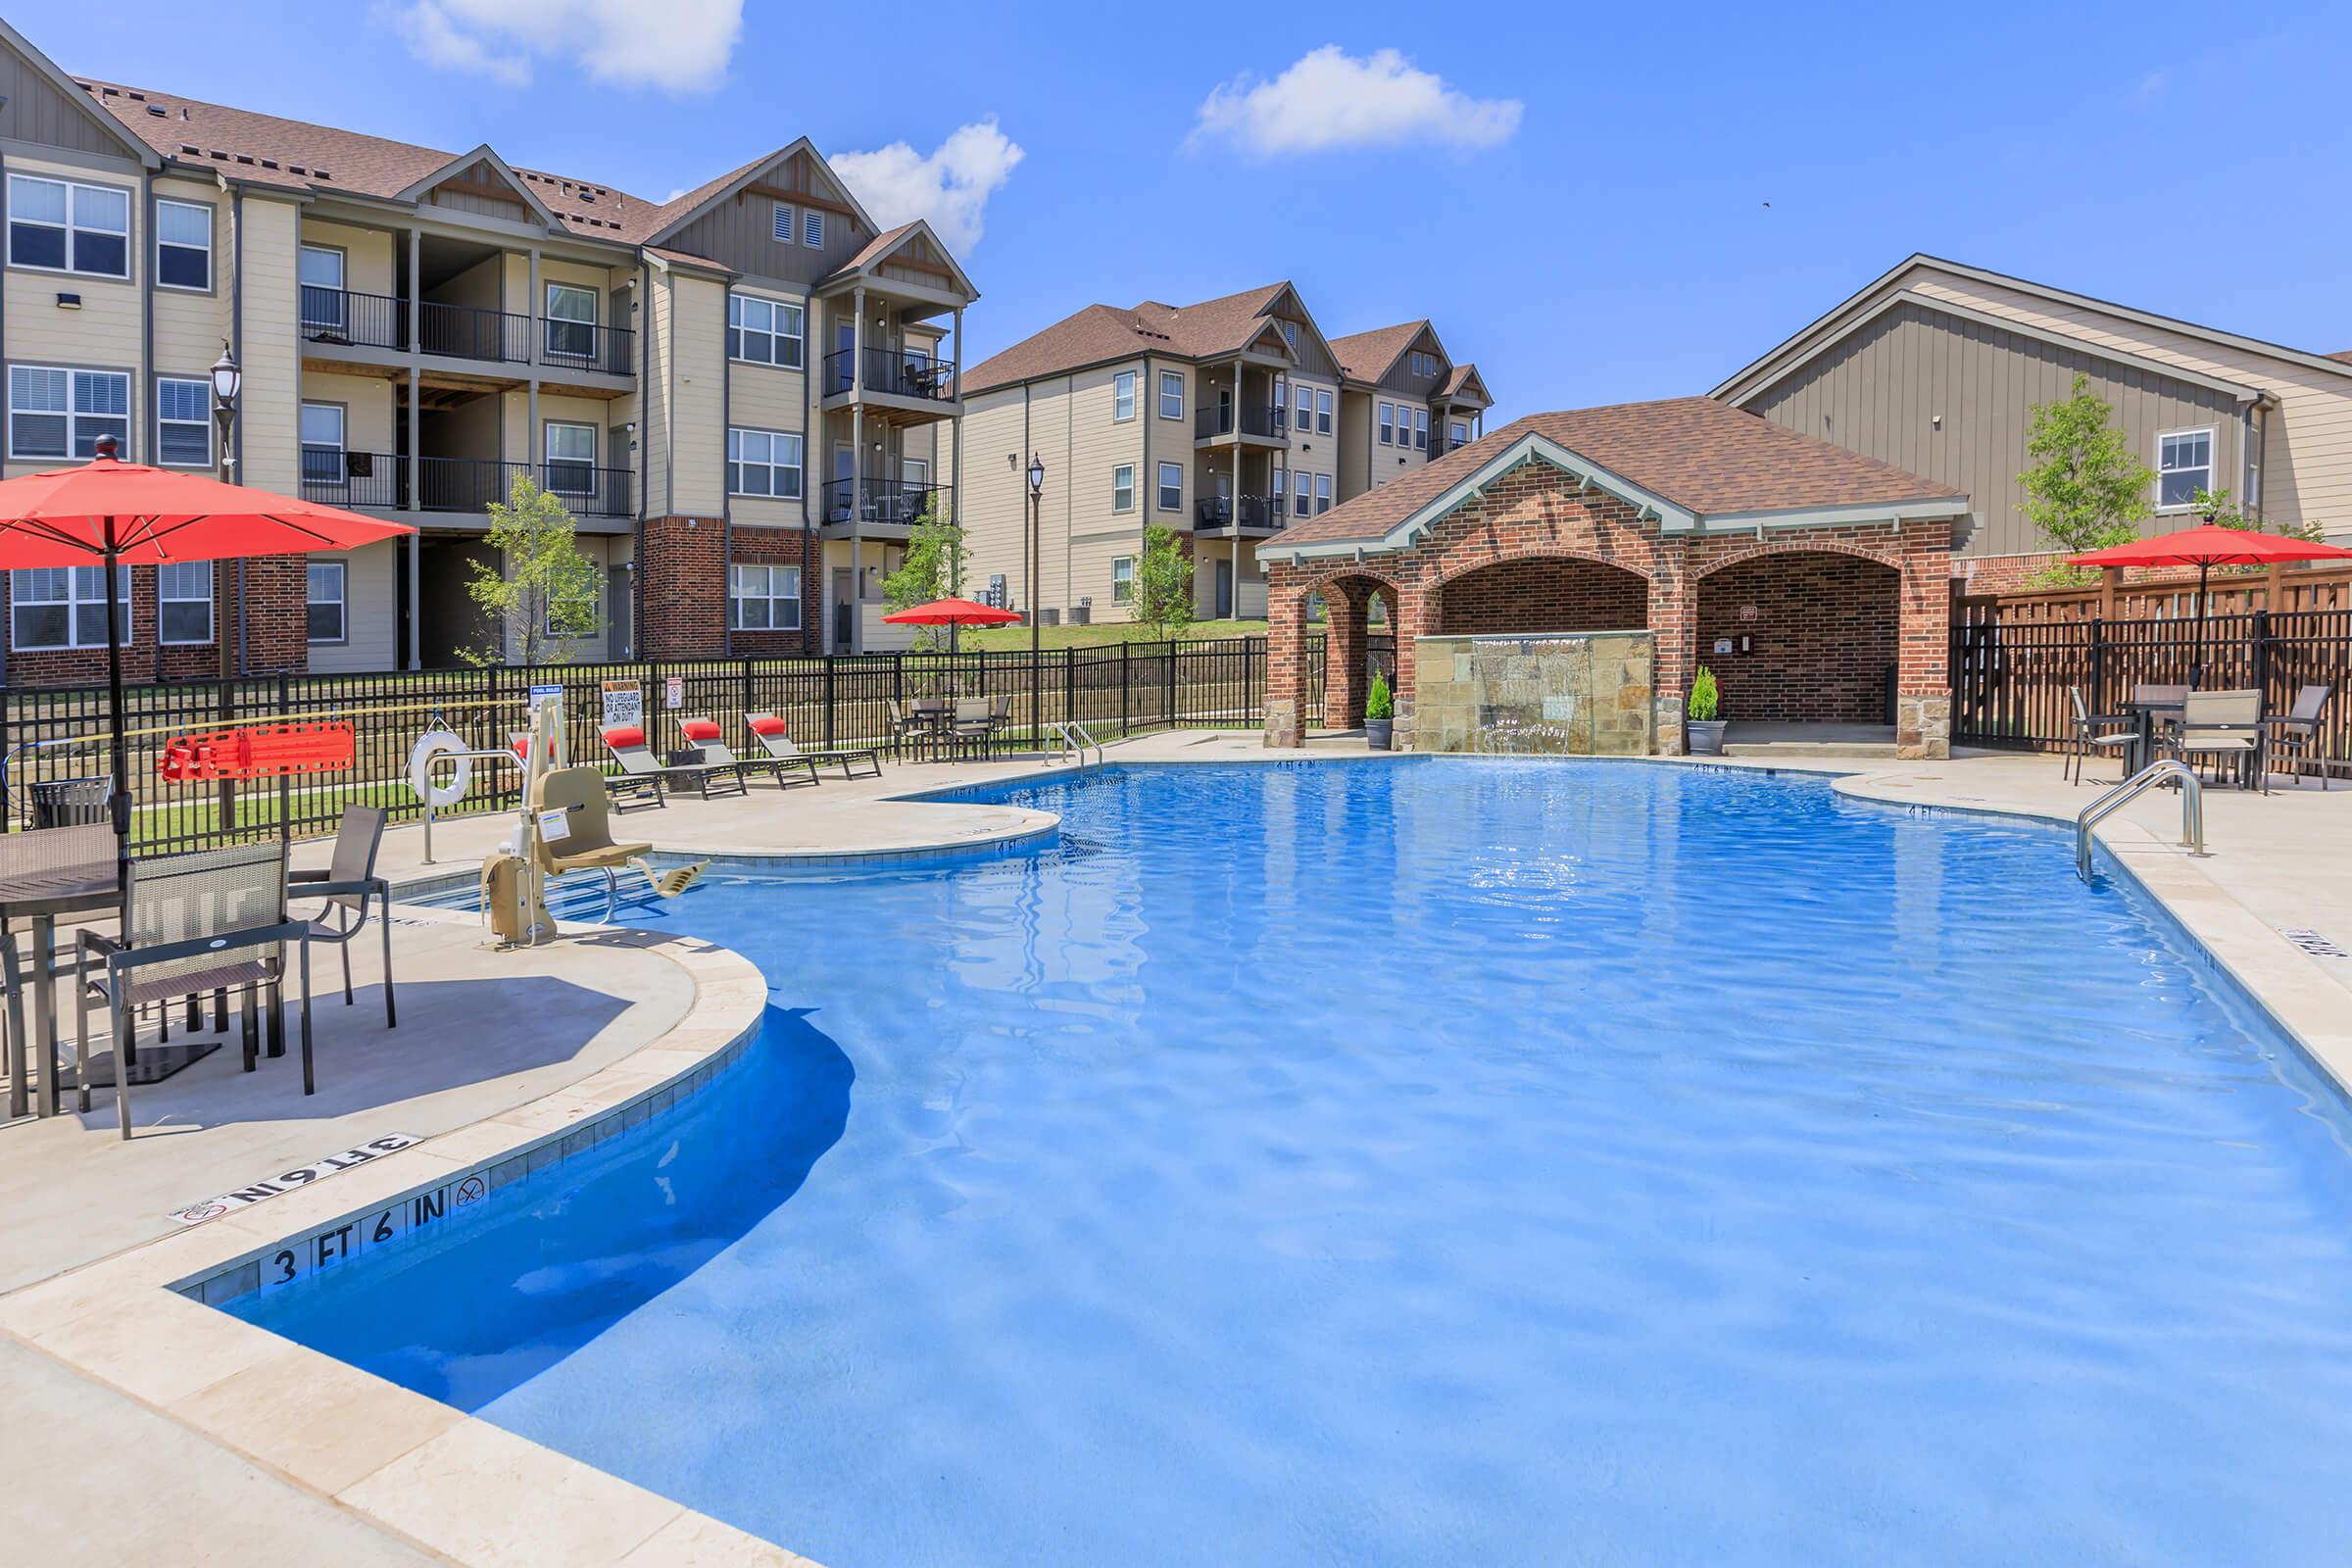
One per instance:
(933, 569)
(1164, 585)
(2216, 506)
(2086, 489)
(543, 592)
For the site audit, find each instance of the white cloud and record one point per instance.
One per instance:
(681, 45)
(2152, 86)
(949, 186)
(1330, 98)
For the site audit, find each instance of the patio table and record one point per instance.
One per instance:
(40, 894)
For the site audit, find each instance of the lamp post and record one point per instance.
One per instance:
(1037, 493)
(227, 380)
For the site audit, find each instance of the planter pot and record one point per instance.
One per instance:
(1705, 736)
(1377, 732)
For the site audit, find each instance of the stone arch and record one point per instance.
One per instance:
(1540, 591)
(1827, 547)
(1347, 593)
(1815, 631)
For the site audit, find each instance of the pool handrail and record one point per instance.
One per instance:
(2192, 807)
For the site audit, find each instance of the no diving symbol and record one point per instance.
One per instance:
(469, 1189)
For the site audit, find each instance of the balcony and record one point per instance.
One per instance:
(1257, 513)
(1439, 445)
(380, 480)
(1258, 421)
(340, 319)
(898, 503)
(897, 372)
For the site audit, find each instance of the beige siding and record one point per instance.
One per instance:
(369, 611)
(271, 355)
(1951, 400)
(367, 401)
(367, 255)
(189, 327)
(699, 427)
(767, 397)
(1070, 426)
(106, 332)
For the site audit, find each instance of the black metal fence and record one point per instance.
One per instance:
(2010, 679)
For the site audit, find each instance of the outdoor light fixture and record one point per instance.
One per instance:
(1037, 476)
(228, 379)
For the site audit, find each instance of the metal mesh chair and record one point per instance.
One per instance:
(352, 891)
(37, 866)
(2092, 734)
(2297, 734)
(214, 921)
(2227, 727)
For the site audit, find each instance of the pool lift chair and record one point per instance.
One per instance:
(567, 826)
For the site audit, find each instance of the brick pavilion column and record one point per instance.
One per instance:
(1343, 681)
(1674, 645)
(1922, 703)
(1286, 655)
(1407, 621)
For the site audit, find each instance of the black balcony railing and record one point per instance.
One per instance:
(469, 333)
(901, 372)
(1269, 421)
(380, 479)
(1217, 513)
(885, 500)
(586, 346)
(339, 318)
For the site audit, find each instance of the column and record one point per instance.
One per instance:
(1922, 703)
(416, 499)
(1286, 656)
(956, 459)
(1234, 518)
(1343, 683)
(857, 471)
(531, 438)
(1673, 650)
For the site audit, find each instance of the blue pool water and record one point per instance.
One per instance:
(1477, 1163)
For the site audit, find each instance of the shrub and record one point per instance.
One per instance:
(1378, 702)
(1704, 698)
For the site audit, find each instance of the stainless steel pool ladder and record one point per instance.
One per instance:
(2192, 807)
(1071, 737)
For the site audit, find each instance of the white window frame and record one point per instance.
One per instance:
(340, 322)
(1387, 424)
(84, 588)
(548, 461)
(744, 577)
(1122, 483)
(1122, 397)
(203, 422)
(1302, 493)
(596, 614)
(341, 446)
(1278, 488)
(1458, 433)
(1302, 401)
(1171, 385)
(1322, 494)
(341, 601)
(1420, 429)
(117, 425)
(1160, 494)
(739, 327)
(72, 227)
(2213, 444)
(1323, 411)
(812, 229)
(160, 245)
(549, 321)
(782, 220)
(738, 463)
(1123, 579)
(172, 587)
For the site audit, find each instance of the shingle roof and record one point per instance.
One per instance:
(1460, 379)
(1703, 456)
(1367, 356)
(1102, 333)
(2344, 355)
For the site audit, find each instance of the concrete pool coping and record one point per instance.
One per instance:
(434, 1477)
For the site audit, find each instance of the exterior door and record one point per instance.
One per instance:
(1224, 590)
(845, 608)
(620, 631)
(840, 502)
(841, 372)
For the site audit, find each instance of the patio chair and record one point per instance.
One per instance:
(2298, 733)
(587, 843)
(976, 724)
(774, 737)
(353, 893)
(2091, 734)
(2226, 727)
(214, 921)
(704, 735)
(629, 791)
(921, 723)
(625, 745)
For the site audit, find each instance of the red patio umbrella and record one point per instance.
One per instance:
(2206, 548)
(114, 514)
(951, 613)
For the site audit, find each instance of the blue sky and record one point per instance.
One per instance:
(1577, 196)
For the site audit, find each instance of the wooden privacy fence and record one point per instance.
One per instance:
(2171, 595)
(2010, 677)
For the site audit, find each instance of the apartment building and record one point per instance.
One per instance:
(1937, 366)
(745, 395)
(1222, 421)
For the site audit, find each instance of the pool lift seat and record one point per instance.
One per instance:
(585, 842)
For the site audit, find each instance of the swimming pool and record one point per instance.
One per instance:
(1506, 1162)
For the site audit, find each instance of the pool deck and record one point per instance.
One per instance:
(269, 1452)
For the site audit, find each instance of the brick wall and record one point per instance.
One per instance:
(1824, 636)
(782, 547)
(276, 618)
(682, 572)
(1544, 594)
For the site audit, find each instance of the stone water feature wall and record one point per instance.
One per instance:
(1572, 694)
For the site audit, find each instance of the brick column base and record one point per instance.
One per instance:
(1282, 723)
(1922, 726)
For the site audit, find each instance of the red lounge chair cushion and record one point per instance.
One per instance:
(624, 735)
(700, 729)
(767, 724)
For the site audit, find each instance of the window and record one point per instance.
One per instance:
(1421, 428)
(569, 616)
(763, 463)
(1289, 333)
(183, 245)
(1122, 395)
(326, 601)
(571, 459)
(1122, 487)
(765, 331)
(322, 447)
(1171, 395)
(1322, 413)
(1171, 487)
(183, 426)
(2184, 467)
(1302, 494)
(2254, 467)
(64, 606)
(1387, 420)
(184, 595)
(1274, 488)
(783, 229)
(570, 322)
(1306, 410)
(1322, 494)
(763, 598)
(60, 226)
(812, 229)
(1122, 580)
(324, 308)
(1456, 433)
(61, 414)
(1281, 405)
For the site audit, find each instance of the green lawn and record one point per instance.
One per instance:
(999, 639)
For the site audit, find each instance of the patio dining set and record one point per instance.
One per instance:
(2228, 731)
(944, 728)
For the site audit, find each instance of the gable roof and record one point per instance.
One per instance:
(1100, 333)
(484, 154)
(72, 91)
(1370, 356)
(1466, 382)
(883, 246)
(1692, 461)
(677, 214)
(1806, 339)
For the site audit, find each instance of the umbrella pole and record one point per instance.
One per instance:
(119, 803)
(2196, 665)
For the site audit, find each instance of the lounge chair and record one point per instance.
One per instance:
(704, 735)
(774, 737)
(352, 891)
(2092, 734)
(625, 744)
(2298, 733)
(629, 791)
(214, 921)
(2227, 727)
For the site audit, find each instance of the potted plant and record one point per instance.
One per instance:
(1380, 713)
(1705, 729)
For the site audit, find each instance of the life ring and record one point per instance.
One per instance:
(431, 746)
